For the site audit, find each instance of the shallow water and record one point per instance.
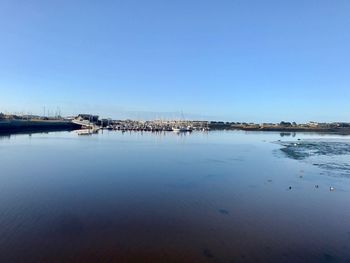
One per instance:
(329, 154)
(199, 197)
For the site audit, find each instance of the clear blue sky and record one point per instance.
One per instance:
(227, 59)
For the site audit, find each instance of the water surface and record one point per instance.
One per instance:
(166, 197)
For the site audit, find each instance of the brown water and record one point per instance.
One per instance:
(200, 197)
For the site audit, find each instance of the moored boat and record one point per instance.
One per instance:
(182, 129)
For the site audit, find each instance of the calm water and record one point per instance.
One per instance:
(133, 197)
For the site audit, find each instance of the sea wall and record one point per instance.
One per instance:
(36, 125)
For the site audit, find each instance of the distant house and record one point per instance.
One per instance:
(312, 124)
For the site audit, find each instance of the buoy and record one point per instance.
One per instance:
(331, 188)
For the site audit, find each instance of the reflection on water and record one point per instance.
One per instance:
(286, 134)
(200, 197)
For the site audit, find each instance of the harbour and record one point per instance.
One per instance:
(189, 131)
(239, 198)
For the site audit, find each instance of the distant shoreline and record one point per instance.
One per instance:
(40, 125)
(340, 131)
(278, 128)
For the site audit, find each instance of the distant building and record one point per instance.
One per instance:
(312, 124)
(88, 117)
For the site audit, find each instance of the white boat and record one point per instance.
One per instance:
(87, 131)
(83, 132)
(182, 129)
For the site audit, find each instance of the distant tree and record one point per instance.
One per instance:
(285, 124)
